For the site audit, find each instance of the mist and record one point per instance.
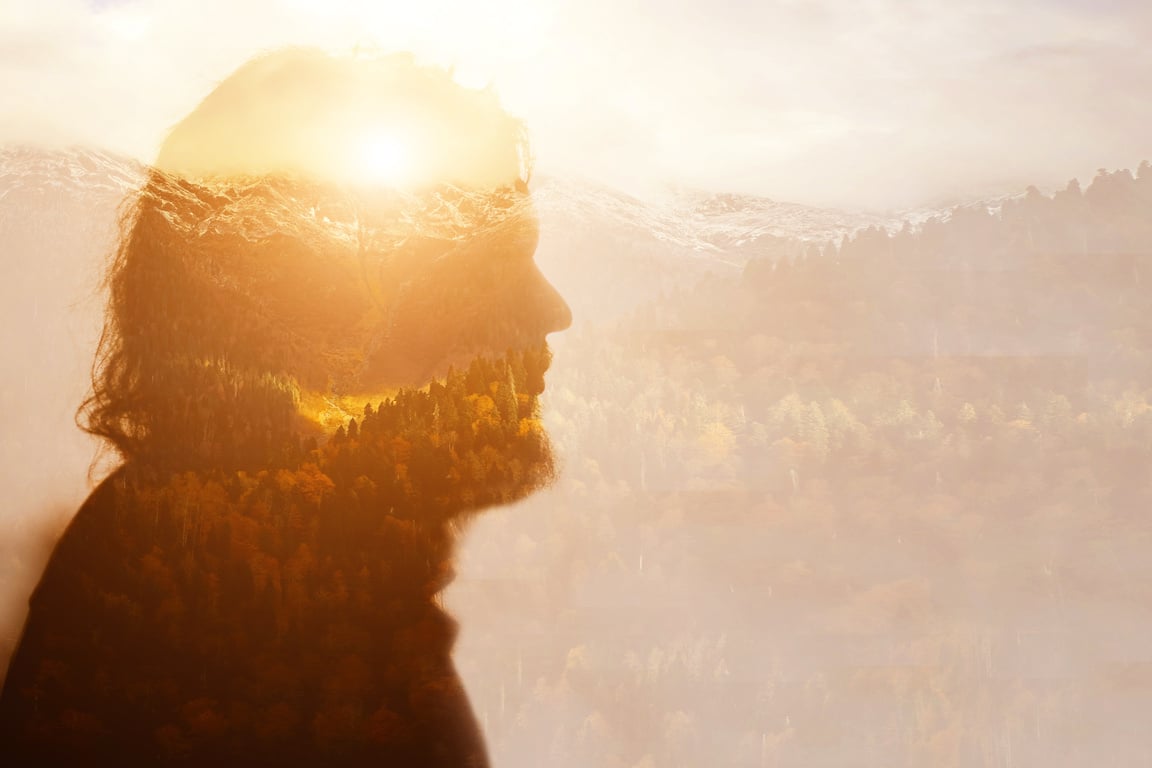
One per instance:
(853, 419)
(831, 490)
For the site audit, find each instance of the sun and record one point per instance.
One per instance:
(386, 159)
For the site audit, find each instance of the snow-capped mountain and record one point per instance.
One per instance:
(690, 223)
(26, 170)
(607, 251)
(735, 222)
(728, 226)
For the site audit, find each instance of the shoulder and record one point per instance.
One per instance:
(97, 515)
(99, 507)
(85, 541)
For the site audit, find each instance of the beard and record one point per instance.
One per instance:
(390, 487)
(471, 440)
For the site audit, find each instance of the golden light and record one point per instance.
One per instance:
(385, 159)
(393, 122)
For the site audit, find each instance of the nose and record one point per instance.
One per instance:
(556, 315)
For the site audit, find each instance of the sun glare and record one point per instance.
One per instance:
(385, 159)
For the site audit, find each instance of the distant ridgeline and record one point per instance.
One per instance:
(1040, 277)
(284, 613)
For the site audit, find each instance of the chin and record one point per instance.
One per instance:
(451, 445)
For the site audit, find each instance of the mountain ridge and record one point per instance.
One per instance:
(708, 222)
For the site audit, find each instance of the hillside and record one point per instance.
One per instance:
(885, 498)
(819, 498)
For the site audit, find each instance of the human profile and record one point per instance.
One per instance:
(323, 349)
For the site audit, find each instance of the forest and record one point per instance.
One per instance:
(874, 502)
(867, 502)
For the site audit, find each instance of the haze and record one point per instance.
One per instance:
(878, 503)
(888, 103)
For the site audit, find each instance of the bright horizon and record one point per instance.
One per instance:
(886, 104)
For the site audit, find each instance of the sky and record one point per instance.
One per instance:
(869, 104)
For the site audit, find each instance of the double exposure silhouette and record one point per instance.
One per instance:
(323, 349)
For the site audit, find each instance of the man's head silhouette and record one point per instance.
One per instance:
(324, 343)
(323, 231)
